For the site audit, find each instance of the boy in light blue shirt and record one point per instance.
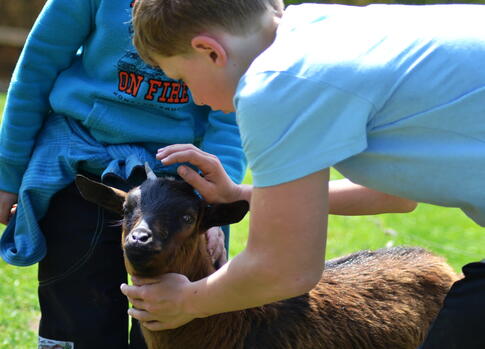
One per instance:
(393, 96)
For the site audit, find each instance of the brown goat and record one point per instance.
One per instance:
(384, 299)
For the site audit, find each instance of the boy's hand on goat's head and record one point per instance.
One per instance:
(159, 304)
(7, 206)
(215, 246)
(214, 184)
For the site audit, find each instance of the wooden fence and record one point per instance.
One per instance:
(16, 19)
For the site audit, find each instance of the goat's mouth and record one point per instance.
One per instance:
(140, 255)
(142, 262)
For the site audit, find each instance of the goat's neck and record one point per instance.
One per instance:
(193, 260)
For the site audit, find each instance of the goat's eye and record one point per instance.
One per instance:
(188, 219)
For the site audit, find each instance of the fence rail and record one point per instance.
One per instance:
(11, 36)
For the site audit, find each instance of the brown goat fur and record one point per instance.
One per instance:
(384, 299)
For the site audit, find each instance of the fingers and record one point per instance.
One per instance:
(12, 211)
(149, 321)
(221, 260)
(132, 292)
(174, 148)
(215, 185)
(211, 237)
(7, 206)
(141, 315)
(178, 153)
(215, 246)
(195, 180)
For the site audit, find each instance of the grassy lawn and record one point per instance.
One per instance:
(20, 310)
(2, 100)
(445, 231)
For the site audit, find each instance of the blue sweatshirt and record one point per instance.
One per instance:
(82, 99)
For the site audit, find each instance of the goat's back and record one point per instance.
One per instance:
(370, 299)
(384, 299)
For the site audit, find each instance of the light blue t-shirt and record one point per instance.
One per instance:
(393, 96)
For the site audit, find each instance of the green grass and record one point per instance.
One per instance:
(2, 102)
(445, 231)
(20, 310)
(18, 301)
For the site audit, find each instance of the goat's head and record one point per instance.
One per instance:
(163, 220)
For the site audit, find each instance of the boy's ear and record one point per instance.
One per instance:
(223, 214)
(105, 196)
(210, 47)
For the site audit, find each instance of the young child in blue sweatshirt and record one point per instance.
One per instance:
(393, 96)
(82, 101)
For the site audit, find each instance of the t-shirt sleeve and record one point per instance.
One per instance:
(291, 127)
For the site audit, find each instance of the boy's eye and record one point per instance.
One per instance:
(188, 219)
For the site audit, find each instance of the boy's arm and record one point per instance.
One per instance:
(222, 139)
(345, 197)
(285, 252)
(350, 199)
(58, 33)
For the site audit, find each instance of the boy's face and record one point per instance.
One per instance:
(208, 83)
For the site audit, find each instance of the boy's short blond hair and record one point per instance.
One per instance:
(166, 27)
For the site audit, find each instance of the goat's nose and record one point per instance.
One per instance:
(142, 236)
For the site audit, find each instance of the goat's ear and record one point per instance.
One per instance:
(223, 214)
(105, 196)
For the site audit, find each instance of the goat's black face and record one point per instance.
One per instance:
(154, 214)
(159, 217)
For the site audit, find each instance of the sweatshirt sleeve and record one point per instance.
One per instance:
(55, 39)
(223, 140)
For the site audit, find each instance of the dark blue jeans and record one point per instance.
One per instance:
(80, 277)
(461, 322)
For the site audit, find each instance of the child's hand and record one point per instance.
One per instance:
(7, 206)
(158, 303)
(214, 184)
(215, 246)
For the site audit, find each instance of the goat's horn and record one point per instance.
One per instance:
(149, 171)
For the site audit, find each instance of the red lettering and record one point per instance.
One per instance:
(129, 83)
(123, 80)
(163, 95)
(174, 94)
(170, 91)
(184, 98)
(135, 82)
(153, 88)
